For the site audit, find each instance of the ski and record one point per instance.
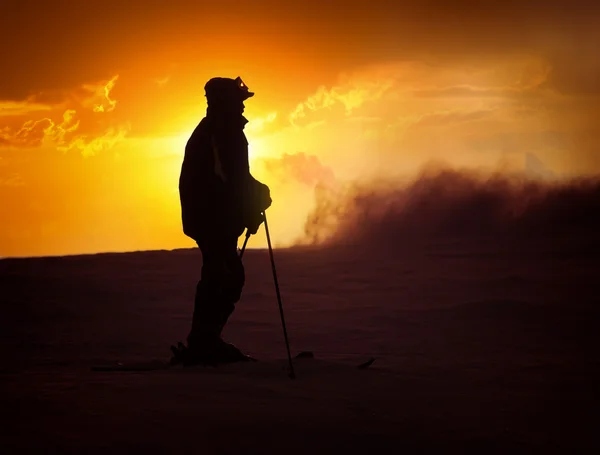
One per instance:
(167, 365)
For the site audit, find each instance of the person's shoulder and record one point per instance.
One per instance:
(201, 129)
(198, 135)
(203, 125)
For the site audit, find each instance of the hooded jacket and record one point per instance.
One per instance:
(216, 189)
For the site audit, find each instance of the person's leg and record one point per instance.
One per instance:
(217, 292)
(234, 282)
(209, 293)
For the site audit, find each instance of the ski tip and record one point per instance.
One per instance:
(366, 364)
(131, 367)
(305, 355)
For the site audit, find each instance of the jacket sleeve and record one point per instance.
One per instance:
(232, 164)
(230, 159)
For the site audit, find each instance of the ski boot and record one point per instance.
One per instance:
(217, 352)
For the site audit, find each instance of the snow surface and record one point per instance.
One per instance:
(480, 350)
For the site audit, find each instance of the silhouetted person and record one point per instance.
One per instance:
(219, 199)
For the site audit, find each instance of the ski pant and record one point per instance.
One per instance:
(219, 288)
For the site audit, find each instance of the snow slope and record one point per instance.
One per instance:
(481, 349)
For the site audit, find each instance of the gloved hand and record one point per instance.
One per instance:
(262, 197)
(253, 223)
(258, 200)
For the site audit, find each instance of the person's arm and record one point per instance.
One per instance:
(231, 163)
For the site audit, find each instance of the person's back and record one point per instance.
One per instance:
(203, 187)
(219, 199)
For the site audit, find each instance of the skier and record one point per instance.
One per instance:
(219, 199)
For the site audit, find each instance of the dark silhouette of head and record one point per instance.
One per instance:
(227, 95)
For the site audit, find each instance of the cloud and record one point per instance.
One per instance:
(262, 125)
(90, 146)
(20, 108)
(351, 95)
(100, 98)
(13, 180)
(34, 133)
(450, 117)
(76, 130)
(395, 116)
(465, 91)
(508, 77)
(398, 94)
(30, 134)
(162, 81)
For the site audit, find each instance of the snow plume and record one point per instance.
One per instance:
(452, 204)
(300, 167)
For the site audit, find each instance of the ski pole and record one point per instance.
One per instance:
(245, 243)
(287, 343)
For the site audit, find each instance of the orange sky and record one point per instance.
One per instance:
(97, 100)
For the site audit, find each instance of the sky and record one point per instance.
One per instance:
(98, 98)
